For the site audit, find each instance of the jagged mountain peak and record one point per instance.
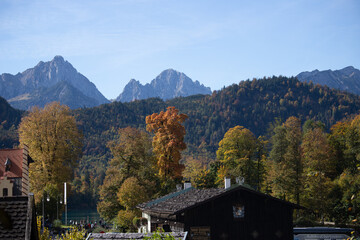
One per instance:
(348, 70)
(46, 75)
(168, 84)
(347, 79)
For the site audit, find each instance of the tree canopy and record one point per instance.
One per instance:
(54, 143)
(168, 141)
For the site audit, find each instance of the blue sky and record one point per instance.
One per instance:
(216, 42)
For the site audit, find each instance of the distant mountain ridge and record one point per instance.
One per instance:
(346, 79)
(56, 80)
(167, 85)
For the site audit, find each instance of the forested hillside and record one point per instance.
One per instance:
(256, 105)
(253, 104)
(9, 120)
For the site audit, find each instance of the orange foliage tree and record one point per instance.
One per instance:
(168, 141)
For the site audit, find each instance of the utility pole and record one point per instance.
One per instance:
(65, 203)
(43, 213)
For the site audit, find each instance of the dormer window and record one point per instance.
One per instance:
(7, 165)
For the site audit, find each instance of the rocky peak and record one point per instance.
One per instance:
(58, 58)
(348, 70)
(347, 79)
(48, 74)
(168, 84)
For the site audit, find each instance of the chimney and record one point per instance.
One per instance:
(187, 185)
(178, 187)
(240, 180)
(227, 182)
(25, 185)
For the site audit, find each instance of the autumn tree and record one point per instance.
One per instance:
(193, 166)
(319, 169)
(54, 143)
(168, 142)
(345, 139)
(292, 158)
(130, 194)
(286, 164)
(239, 156)
(338, 141)
(132, 158)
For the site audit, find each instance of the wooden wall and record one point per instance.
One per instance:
(264, 218)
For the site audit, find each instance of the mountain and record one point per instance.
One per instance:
(169, 84)
(63, 92)
(57, 77)
(346, 79)
(8, 115)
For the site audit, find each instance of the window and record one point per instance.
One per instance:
(238, 210)
(5, 192)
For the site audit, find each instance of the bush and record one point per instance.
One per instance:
(74, 234)
(57, 223)
(160, 235)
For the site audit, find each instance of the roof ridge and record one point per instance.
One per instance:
(168, 196)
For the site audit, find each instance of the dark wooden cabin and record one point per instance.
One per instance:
(237, 212)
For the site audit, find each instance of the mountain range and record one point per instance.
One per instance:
(169, 84)
(346, 79)
(58, 80)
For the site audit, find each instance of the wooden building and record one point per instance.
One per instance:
(235, 212)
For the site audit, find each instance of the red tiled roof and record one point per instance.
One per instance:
(16, 158)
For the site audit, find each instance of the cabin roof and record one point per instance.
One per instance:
(180, 201)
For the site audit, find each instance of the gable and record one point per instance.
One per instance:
(183, 200)
(16, 158)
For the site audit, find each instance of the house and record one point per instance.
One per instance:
(14, 172)
(234, 212)
(17, 208)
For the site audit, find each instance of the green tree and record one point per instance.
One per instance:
(54, 143)
(319, 168)
(338, 141)
(168, 142)
(279, 144)
(345, 139)
(286, 167)
(132, 157)
(292, 157)
(238, 154)
(130, 194)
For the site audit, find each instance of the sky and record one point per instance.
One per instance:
(217, 43)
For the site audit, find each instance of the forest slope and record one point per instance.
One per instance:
(253, 104)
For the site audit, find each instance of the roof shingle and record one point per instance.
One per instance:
(16, 208)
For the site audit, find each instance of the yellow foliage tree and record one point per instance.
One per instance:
(239, 153)
(54, 143)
